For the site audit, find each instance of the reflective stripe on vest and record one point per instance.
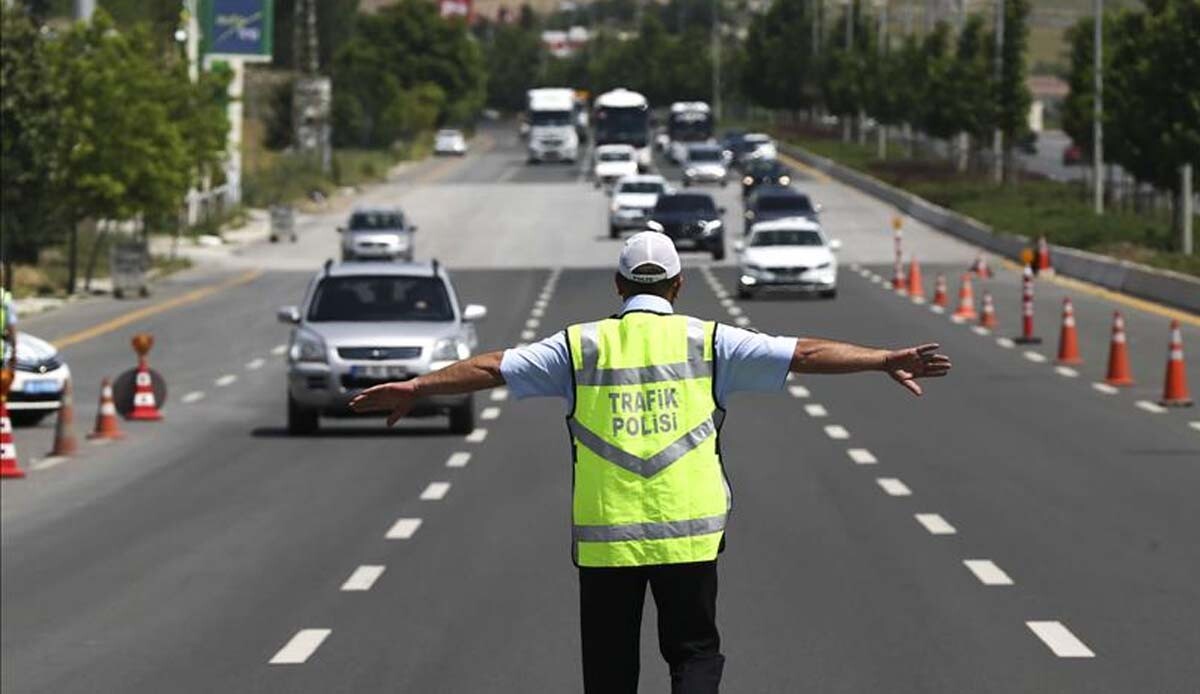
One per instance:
(649, 488)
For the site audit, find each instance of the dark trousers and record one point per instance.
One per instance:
(610, 606)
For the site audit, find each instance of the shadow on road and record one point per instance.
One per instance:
(346, 432)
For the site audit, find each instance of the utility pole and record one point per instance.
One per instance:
(816, 26)
(998, 134)
(716, 60)
(964, 138)
(312, 95)
(1185, 209)
(1098, 110)
(84, 9)
(882, 34)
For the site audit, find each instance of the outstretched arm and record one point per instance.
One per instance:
(905, 366)
(467, 376)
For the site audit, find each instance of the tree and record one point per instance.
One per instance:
(514, 58)
(939, 112)
(971, 79)
(780, 68)
(1012, 97)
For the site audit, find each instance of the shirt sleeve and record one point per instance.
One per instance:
(541, 369)
(750, 361)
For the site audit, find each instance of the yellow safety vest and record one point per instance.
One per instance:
(649, 487)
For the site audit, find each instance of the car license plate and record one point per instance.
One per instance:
(39, 386)
(379, 371)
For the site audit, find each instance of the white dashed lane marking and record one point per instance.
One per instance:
(255, 364)
(1151, 407)
(301, 647)
(987, 572)
(194, 396)
(226, 380)
(528, 334)
(363, 578)
(477, 436)
(532, 323)
(47, 463)
(1005, 342)
(980, 330)
(861, 456)
(459, 459)
(937, 309)
(742, 321)
(835, 431)
(935, 524)
(816, 410)
(1105, 388)
(1036, 357)
(1059, 639)
(490, 413)
(1195, 425)
(436, 491)
(798, 391)
(403, 529)
(278, 350)
(893, 486)
(537, 312)
(1066, 371)
(735, 311)
(500, 394)
(727, 303)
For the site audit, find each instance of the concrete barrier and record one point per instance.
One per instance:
(1164, 286)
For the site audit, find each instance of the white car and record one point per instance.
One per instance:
(791, 253)
(450, 142)
(614, 162)
(704, 164)
(38, 380)
(378, 233)
(633, 199)
(758, 146)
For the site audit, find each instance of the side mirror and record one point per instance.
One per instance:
(413, 228)
(654, 226)
(749, 214)
(288, 314)
(341, 230)
(739, 246)
(474, 312)
(596, 183)
(835, 244)
(721, 210)
(818, 207)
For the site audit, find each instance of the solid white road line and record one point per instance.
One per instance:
(194, 396)
(226, 380)
(278, 350)
(459, 459)
(47, 463)
(835, 431)
(490, 413)
(742, 321)
(403, 529)
(798, 391)
(861, 456)
(500, 394)
(987, 572)
(1066, 371)
(301, 647)
(255, 364)
(980, 330)
(935, 524)
(1151, 407)
(363, 577)
(1105, 388)
(816, 410)
(436, 491)
(477, 436)
(893, 486)
(1005, 342)
(1036, 357)
(528, 334)
(1060, 640)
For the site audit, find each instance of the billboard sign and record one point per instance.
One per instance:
(456, 8)
(237, 29)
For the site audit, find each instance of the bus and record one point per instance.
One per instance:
(690, 122)
(622, 117)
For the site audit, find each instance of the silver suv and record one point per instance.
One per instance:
(362, 324)
(377, 233)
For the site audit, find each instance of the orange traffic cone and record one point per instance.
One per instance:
(1042, 260)
(106, 416)
(987, 319)
(1068, 339)
(1118, 355)
(980, 268)
(64, 428)
(9, 467)
(1175, 389)
(916, 285)
(966, 300)
(939, 292)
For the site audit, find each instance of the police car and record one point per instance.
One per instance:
(38, 380)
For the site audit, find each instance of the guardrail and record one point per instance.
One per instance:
(1164, 286)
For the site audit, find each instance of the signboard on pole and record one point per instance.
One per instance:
(237, 29)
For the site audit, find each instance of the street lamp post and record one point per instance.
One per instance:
(716, 60)
(998, 134)
(1098, 110)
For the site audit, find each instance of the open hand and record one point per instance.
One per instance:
(907, 365)
(395, 398)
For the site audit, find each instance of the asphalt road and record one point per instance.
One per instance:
(190, 555)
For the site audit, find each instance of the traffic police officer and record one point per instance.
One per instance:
(647, 391)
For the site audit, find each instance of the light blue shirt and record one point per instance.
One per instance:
(745, 360)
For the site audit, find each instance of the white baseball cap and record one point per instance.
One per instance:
(652, 254)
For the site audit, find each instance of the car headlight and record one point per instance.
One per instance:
(712, 227)
(614, 208)
(308, 346)
(690, 173)
(450, 349)
(747, 181)
(784, 180)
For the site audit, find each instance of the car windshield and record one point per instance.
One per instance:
(449, 134)
(786, 237)
(784, 203)
(767, 167)
(383, 298)
(550, 118)
(756, 139)
(614, 156)
(371, 221)
(641, 187)
(686, 203)
(627, 126)
(704, 155)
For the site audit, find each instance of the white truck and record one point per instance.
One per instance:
(551, 117)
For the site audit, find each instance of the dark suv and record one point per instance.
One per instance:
(765, 172)
(777, 202)
(692, 220)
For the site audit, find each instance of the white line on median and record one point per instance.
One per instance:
(893, 486)
(255, 364)
(816, 410)
(226, 380)
(301, 647)
(1151, 407)
(278, 350)
(490, 413)
(835, 431)
(500, 394)
(363, 578)
(861, 456)
(403, 529)
(1036, 357)
(1060, 640)
(1005, 342)
(987, 572)
(1105, 388)
(194, 396)
(1066, 371)
(935, 524)
(459, 459)
(477, 436)
(798, 391)
(436, 491)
